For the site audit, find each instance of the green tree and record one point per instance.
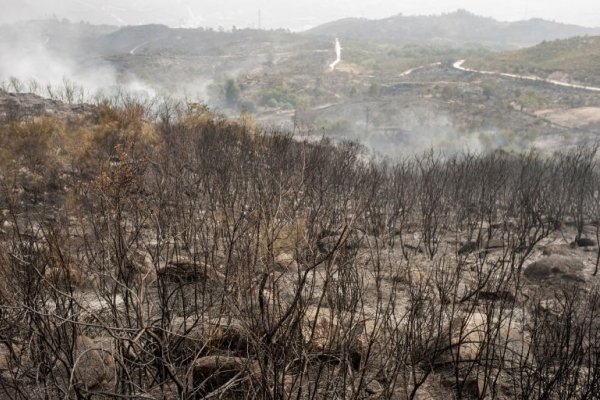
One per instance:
(232, 93)
(374, 90)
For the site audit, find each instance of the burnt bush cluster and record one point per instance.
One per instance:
(201, 258)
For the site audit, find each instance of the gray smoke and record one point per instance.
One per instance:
(31, 62)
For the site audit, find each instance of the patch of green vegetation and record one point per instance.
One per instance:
(331, 126)
(576, 59)
(530, 99)
(282, 96)
(232, 92)
(389, 59)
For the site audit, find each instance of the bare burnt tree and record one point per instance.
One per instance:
(185, 256)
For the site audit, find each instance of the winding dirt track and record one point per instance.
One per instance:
(410, 71)
(459, 66)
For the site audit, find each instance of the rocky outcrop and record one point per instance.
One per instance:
(20, 106)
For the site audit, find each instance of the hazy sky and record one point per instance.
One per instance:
(293, 14)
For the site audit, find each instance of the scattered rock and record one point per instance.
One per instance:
(493, 243)
(94, 364)
(472, 246)
(470, 339)
(503, 295)
(190, 335)
(286, 262)
(142, 267)
(230, 335)
(420, 278)
(320, 328)
(584, 242)
(64, 276)
(569, 221)
(213, 372)
(424, 394)
(327, 241)
(7, 224)
(414, 246)
(560, 250)
(187, 337)
(551, 307)
(185, 270)
(374, 388)
(468, 248)
(468, 334)
(472, 387)
(324, 331)
(555, 269)
(413, 277)
(8, 358)
(475, 387)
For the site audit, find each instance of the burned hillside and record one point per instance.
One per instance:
(184, 256)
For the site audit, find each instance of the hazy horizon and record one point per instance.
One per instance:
(295, 15)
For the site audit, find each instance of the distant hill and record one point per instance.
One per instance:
(52, 29)
(460, 27)
(162, 40)
(575, 60)
(86, 40)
